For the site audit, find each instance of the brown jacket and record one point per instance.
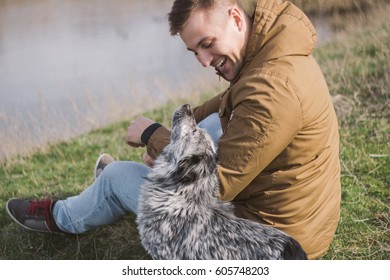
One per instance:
(279, 153)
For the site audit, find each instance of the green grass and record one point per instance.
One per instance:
(357, 69)
(63, 170)
(358, 73)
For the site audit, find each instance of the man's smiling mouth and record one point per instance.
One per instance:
(220, 64)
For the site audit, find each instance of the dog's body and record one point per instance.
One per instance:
(180, 217)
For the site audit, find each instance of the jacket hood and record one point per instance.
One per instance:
(279, 29)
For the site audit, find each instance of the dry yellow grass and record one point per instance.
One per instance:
(330, 6)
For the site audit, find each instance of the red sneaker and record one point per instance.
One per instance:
(33, 215)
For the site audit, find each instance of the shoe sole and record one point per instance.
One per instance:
(97, 164)
(23, 226)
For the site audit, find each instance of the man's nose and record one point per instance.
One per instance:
(205, 58)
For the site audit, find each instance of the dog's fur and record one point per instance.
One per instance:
(179, 215)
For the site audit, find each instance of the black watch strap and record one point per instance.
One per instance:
(148, 132)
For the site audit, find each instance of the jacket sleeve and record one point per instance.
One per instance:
(207, 108)
(157, 142)
(266, 116)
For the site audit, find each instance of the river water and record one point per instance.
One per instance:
(69, 66)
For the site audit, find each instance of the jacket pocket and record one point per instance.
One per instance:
(223, 112)
(238, 144)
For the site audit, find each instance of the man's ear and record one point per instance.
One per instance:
(237, 16)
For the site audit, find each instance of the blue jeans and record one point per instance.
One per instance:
(114, 193)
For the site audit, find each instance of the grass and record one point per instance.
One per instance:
(335, 6)
(63, 170)
(357, 69)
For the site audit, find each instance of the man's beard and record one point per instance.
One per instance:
(236, 70)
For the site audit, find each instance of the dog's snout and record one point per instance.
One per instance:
(183, 111)
(187, 107)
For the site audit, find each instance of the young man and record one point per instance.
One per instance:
(279, 147)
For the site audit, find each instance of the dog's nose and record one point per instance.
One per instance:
(187, 107)
(182, 112)
(186, 110)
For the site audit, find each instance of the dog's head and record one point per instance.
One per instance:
(191, 155)
(187, 139)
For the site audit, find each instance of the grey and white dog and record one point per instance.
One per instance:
(180, 216)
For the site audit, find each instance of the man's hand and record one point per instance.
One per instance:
(148, 160)
(135, 130)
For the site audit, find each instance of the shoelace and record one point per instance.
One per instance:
(39, 209)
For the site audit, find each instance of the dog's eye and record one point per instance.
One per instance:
(193, 132)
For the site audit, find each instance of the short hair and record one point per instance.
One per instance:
(182, 10)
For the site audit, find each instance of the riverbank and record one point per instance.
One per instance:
(356, 66)
(68, 67)
(84, 70)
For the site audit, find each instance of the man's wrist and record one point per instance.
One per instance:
(148, 132)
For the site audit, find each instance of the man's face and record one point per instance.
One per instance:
(217, 39)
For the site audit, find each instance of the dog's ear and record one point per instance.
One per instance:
(191, 160)
(193, 167)
(188, 170)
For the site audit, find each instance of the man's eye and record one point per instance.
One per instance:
(208, 45)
